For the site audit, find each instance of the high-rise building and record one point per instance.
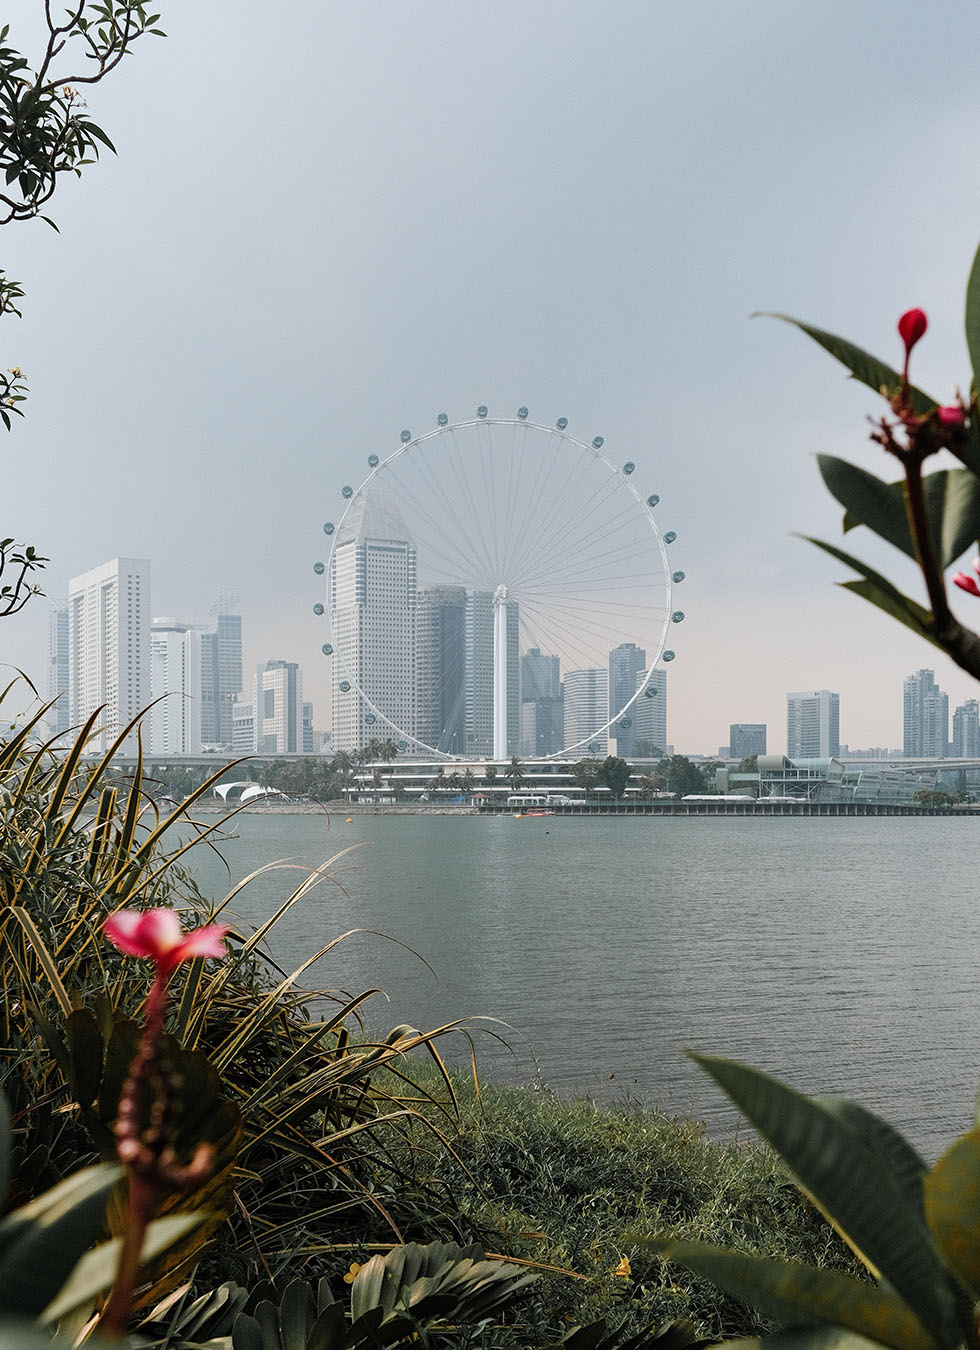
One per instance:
(966, 730)
(650, 712)
(109, 647)
(221, 670)
(278, 702)
(243, 727)
(175, 687)
(813, 724)
(925, 716)
(542, 706)
(372, 597)
(58, 720)
(587, 710)
(747, 738)
(441, 664)
(625, 663)
(479, 675)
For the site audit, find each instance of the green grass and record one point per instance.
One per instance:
(574, 1184)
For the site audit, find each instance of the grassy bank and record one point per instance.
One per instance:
(575, 1184)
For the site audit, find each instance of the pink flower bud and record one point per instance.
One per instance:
(950, 416)
(966, 583)
(911, 327)
(156, 934)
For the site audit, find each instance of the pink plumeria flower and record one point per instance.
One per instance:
(951, 415)
(966, 583)
(157, 935)
(911, 327)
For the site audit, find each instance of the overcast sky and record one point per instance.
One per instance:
(330, 221)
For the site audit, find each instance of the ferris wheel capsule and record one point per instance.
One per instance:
(328, 527)
(597, 442)
(522, 414)
(327, 649)
(653, 500)
(482, 410)
(677, 616)
(347, 491)
(442, 419)
(406, 436)
(628, 467)
(318, 568)
(669, 537)
(677, 576)
(318, 609)
(373, 461)
(669, 656)
(562, 423)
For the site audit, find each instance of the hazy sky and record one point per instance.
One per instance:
(327, 222)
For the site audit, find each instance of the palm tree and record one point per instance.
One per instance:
(515, 773)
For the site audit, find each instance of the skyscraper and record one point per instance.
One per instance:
(625, 663)
(650, 712)
(587, 709)
(221, 670)
(925, 716)
(747, 738)
(278, 703)
(372, 598)
(966, 730)
(58, 720)
(441, 666)
(175, 687)
(542, 706)
(109, 647)
(813, 724)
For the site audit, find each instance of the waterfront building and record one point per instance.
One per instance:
(813, 724)
(925, 717)
(650, 713)
(109, 647)
(587, 711)
(278, 700)
(441, 665)
(58, 720)
(309, 734)
(966, 730)
(221, 670)
(372, 595)
(746, 738)
(625, 662)
(175, 688)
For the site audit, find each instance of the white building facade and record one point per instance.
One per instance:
(175, 687)
(587, 710)
(109, 647)
(813, 724)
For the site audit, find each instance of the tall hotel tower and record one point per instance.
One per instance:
(109, 647)
(813, 724)
(372, 599)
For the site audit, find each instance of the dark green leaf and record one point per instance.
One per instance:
(852, 1185)
(952, 1202)
(86, 1049)
(863, 367)
(972, 322)
(795, 1294)
(868, 500)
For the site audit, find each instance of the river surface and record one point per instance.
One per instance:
(840, 954)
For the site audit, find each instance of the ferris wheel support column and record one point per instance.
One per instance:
(500, 673)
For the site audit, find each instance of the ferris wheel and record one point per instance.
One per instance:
(468, 551)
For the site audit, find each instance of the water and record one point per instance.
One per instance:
(839, 954)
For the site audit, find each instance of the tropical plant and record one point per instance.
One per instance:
(515, 773)
(44, 134)
(931, 518)
(915, 1229)
(614, 774)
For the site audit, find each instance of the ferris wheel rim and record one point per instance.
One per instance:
(621, 474)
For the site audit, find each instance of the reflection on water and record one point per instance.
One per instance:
(816, 949)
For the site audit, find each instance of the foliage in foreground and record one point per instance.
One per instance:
(914, 1228)
(570, 1185)
(931, 518)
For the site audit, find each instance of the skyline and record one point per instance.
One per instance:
(503, 208)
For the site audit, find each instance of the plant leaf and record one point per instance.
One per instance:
(852, 1185)
(952, 1203)
(972, 321)
(862, 365)
(868, 500)
(793, 1293)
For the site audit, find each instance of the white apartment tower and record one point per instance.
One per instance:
(925, 717)
(278, 708)
(587, 710)
(58, 722)
(175, 687)
(109, 647)
(813, 724)
(966, 730)
(372, 600)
